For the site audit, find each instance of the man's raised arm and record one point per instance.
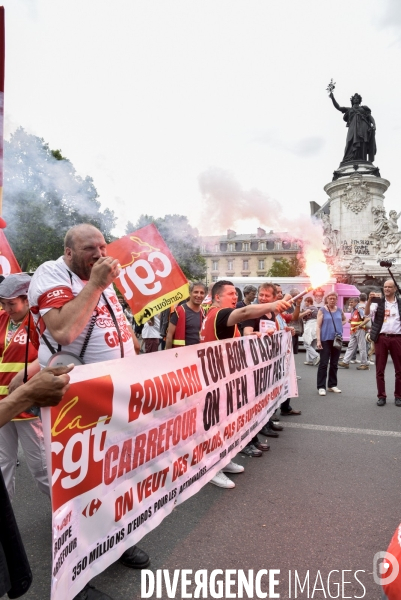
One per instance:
(368, 304)
(66, 323)
(253, 311)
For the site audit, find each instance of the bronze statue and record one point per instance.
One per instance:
(361, 139)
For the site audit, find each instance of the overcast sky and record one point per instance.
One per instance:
(145, 96)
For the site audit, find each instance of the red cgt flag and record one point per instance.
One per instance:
(2, 62)
(8, 262)
(150, 279)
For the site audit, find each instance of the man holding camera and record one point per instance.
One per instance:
(386, 333)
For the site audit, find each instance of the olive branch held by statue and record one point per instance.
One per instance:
(331, 87)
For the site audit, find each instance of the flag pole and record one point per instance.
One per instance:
(2, 66)
(8, 262)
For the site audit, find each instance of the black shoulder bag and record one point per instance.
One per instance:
(338, 338)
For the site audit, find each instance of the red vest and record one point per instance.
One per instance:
(355, 320)
(208, 331)
(12, 358)
(179, 334)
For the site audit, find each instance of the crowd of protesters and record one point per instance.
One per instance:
(318, 321)
(220, 315)
(68, 296)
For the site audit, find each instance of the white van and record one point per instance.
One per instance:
(345, 291)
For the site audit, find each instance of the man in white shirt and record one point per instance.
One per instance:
(386, 333)
(151, 334)
(76, 309)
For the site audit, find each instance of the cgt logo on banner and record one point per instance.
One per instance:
(134, 437)
(150, 278)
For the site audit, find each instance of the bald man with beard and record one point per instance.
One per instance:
(76, 309)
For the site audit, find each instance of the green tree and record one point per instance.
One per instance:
(182, 240)
(286, 268)
(43, 197)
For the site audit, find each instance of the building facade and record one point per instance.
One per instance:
(245, 255)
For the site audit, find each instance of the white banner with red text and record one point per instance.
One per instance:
(133, 438)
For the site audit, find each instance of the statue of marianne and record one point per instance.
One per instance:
(361, 139)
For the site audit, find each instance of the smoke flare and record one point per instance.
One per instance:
(226, 203)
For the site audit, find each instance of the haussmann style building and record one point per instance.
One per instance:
(247, 254)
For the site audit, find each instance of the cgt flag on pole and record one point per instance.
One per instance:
(2, 62)
(150, 278)
(8, 262)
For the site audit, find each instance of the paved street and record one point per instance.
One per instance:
(326, 496)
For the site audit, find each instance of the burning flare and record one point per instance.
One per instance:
(316, 268)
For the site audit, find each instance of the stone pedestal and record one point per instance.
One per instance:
(358, 233)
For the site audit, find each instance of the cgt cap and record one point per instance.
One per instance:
(15, 285)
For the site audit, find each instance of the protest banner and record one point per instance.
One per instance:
(150, 278)
(135, 437)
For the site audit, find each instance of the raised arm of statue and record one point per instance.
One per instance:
(394, 217)
(336, 105)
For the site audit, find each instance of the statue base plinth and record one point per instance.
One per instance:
(358, 233)
(362, 167)
(362, 272)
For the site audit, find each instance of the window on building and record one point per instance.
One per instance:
(245, 265)
(215, 265)
(214, 278)
(261, 265)
(277, 245)
(230, 266)
(217, 248)
(262, 246)
(231, 247)
(245, 246)
(203, 249)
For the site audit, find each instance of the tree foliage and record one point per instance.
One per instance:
(182, 240)
(286, 268)
(43, 197)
